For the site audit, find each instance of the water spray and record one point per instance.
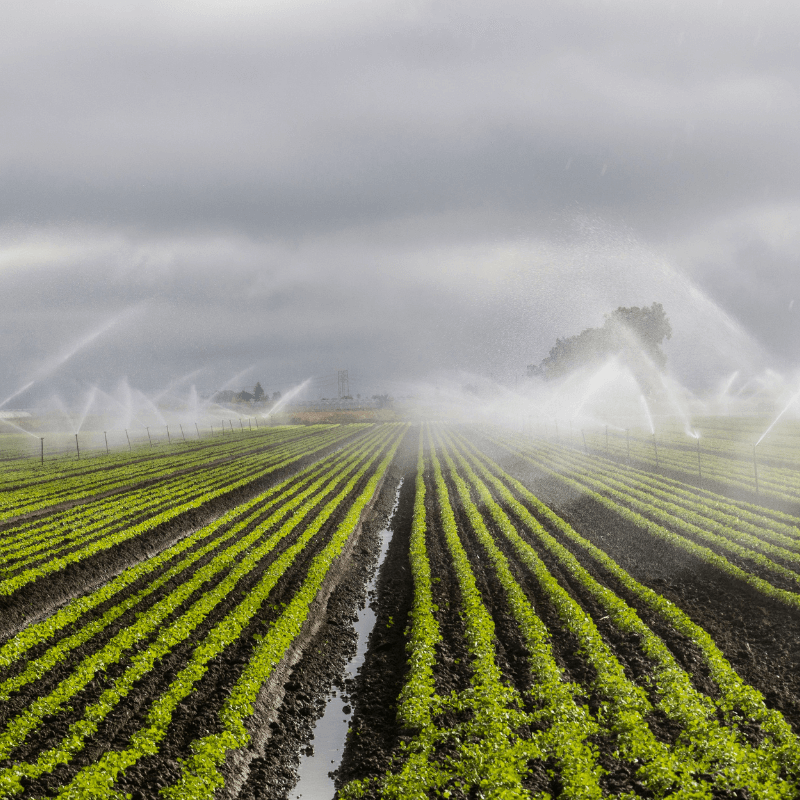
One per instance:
(775, 421)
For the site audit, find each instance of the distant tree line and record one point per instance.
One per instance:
(258, 395)
(633, 334)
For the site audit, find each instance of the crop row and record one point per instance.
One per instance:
(692, 518)
(111, 524)
(31, 472)
(684, 535)
(737, 470)
(710, 743)
(224, 539)
(492, 737)
(207, 625)
(715, 507)
(752, 531)
(59, 487)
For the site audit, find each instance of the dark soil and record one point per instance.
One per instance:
(374, 736)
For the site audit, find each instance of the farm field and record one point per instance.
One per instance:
(553, 618)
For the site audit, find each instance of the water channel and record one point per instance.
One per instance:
(330, 731)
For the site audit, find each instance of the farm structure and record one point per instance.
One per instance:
(550, 620)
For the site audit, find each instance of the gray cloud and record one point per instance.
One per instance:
(403, 187)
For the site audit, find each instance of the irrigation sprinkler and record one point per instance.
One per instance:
(256, 423)
(223, 427)
(699, 468)
(106, 438)
(230, 422)
(240, 424)
(212, 431)
(755, 467)
(169, 441)
(655, 447)
(250, 422)
(148, 437)
(41, 448)
(182, 433)
(197, 429)
(77, 446)
(585, 448)
(129, 440)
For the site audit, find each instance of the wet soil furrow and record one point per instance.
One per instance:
(374, 736)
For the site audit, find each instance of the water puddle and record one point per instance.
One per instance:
(331, 728)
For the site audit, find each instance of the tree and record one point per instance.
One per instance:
(258, 393)
(276, 396)
(635, 334)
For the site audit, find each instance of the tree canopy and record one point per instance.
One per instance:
(632, 333)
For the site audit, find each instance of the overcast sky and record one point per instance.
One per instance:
(399, 189)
